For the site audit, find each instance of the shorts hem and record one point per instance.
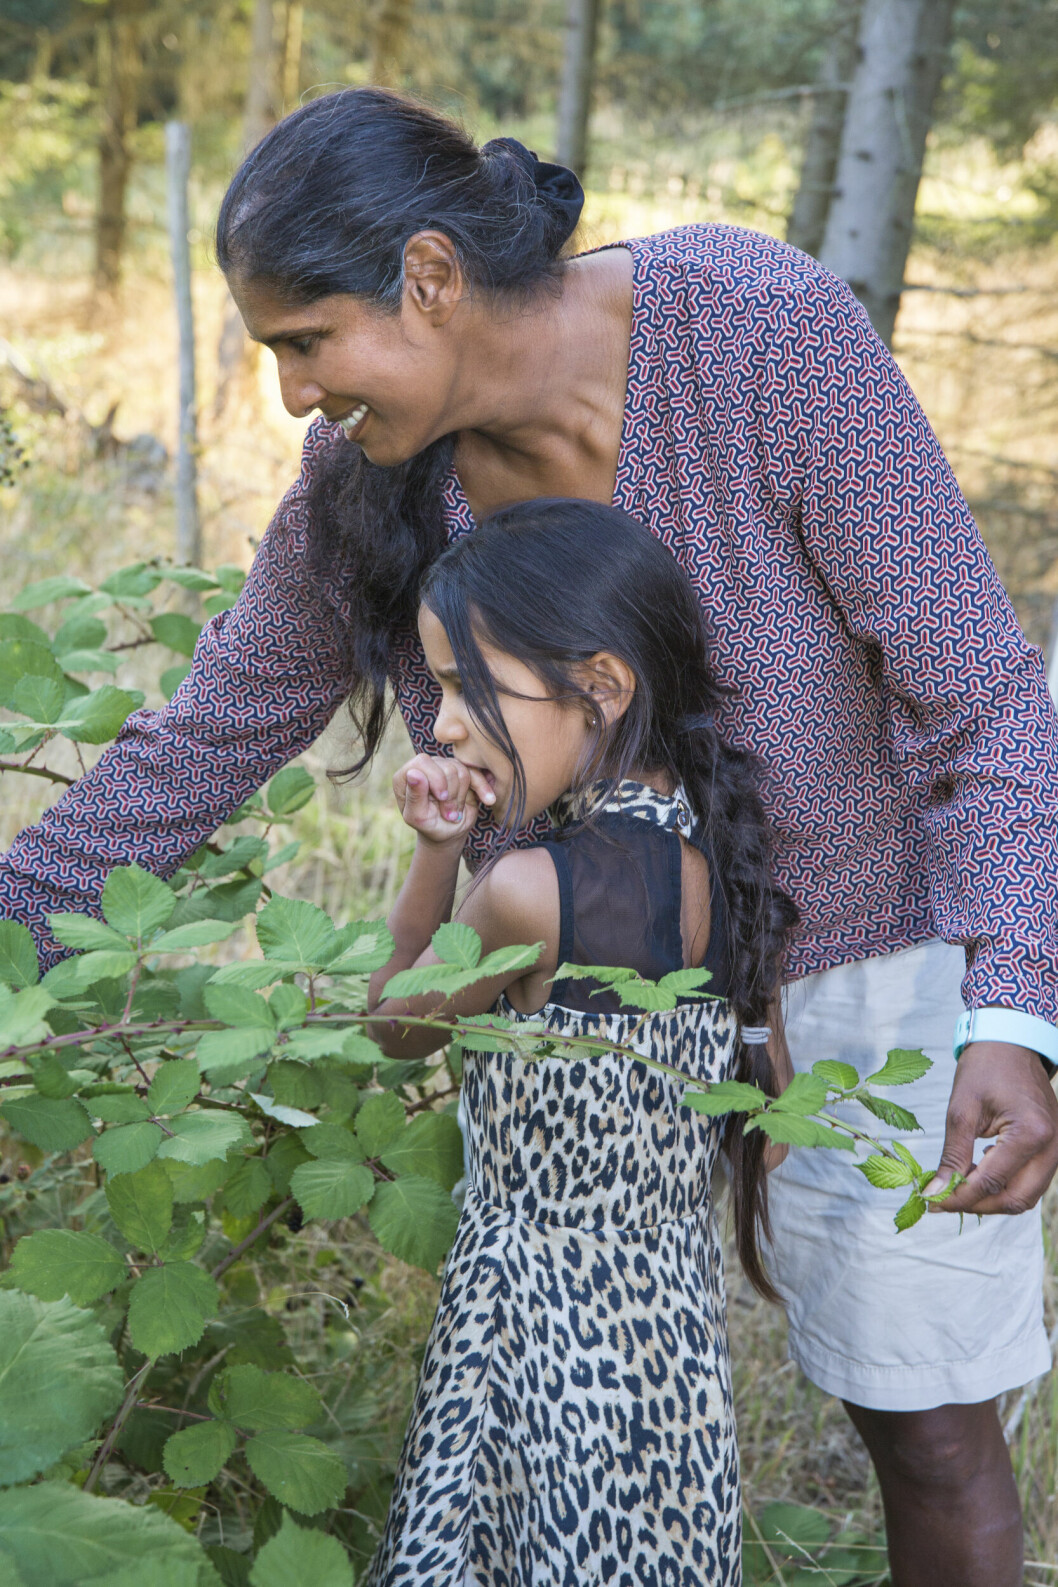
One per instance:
(906, 1388)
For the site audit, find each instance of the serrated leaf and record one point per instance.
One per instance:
(189, 578)
(135, 902)
(890, 1113)
(234, 858)
(18, 956)
(885, 1173)
(301, 1553)
(169, 1307)
(687, 983)
(253, 975)
(85, 934)
(41, 593)
(196, 1181)
(431, 1147)
(177, 631)
(726, 1096)
(293, 930)
(289, 1006)
(326, 1041)
(56, 1535)
(281, 856)
(127, 1148)
(414, 1219)
(196, 1455)
(905, 1157)
(457, 943)
(805, 1094)
(88, 661)
(96, 718)
(174, 1085)
(901, 1067)
(229, 1055)
(250, 1335)
(81, 631)
(119, 1107)
(379, 1122)
(299, 1471)
(170, 679)
(332, 1188)
(196, 934)
(141, 1205)
(135, 580)
(103, 964)
(264, 1402)
(52, 1078)
(909, 1214)
(198, 1137)
(793, 1524)
(41, 699)
(187, 1233)
(53, 1124)
(57, 1262)
(237, 1007)
(59, 1380)
(22, 1015)
(421, 979)
(363, 945)
(333, 1142)
(289, 790)
(248, 1188)
(282, 1112)
(843, 1077)
(792, 1129)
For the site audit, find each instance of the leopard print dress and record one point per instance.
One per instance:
(573, 1422)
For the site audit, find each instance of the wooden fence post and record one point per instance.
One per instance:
(178, 167)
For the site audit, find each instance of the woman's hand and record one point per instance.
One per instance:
(440, 798)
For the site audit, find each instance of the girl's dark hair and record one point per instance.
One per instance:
(554, 582)
(324, 205)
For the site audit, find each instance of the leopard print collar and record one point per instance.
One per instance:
(671, 811)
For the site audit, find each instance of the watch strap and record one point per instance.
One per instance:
(1006, 1024)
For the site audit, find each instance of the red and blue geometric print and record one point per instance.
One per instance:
(879, 672)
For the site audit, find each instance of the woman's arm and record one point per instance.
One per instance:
(265, 681)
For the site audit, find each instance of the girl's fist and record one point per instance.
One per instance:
(439, 797)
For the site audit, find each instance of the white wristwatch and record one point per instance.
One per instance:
(1007, 1024)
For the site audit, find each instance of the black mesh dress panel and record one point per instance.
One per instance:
(619, 880)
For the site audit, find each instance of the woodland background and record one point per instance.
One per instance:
(911, 144)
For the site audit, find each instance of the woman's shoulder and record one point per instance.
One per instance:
(733, 264)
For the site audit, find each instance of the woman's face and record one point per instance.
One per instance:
(389, 377)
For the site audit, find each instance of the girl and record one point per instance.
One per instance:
(573, 1421)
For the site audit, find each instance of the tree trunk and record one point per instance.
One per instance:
(578, 65)
(178, 168)
(903, 50)
(119, 77)
(823, 143)
(391, 37)
(291, 86)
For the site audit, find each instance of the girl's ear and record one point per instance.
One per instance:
(611, 683)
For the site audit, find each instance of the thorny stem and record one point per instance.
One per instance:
(38, 771)
(128, 1405)
(255, 1234)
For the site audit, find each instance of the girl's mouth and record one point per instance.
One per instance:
(352, 421)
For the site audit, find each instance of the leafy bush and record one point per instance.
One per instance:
(180, 1114)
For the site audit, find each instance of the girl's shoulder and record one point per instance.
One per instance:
(516, 900)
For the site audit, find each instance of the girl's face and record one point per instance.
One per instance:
(552, 737)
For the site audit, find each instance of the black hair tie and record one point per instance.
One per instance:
(556, 184)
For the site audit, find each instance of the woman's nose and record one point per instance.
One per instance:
(300, 395)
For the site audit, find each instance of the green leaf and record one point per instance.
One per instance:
(842, 1077)
(41, 699)
(299, 1471)
(174, 1086)
(363, 945)
(909, 1214)
(456, 943)
(331, 1188)
(890, 1113)
(18, 955)
(805, 1094)
(334, 1143)
(171, 678)
(284, 1155)
(296, 931)
(88, 661)
(176, 630)
(792, 1129)
(250, 1335)
(57, 588)
(14, 626)
(264, 1402)
(319, 1042)
(282, 1111)
(230, 577)
(127, 1149)
(196, 934)
(104, 964)
(53, 1124)
(196, 1182)
(289, 790)
(22, 1016)
(135, 902)
(52, 1078)
(119, 1107)
(59, 1380)
(281, 856)
(128, 583)
(795, 1524)
(905, 1157)
(57, 1262)
(431, 1146)
(198, 1137)
(229, 1055)
(96, 718)
(301, 1554)
(81, 631)
(253, 975)
(379, 1122)
(885, 1173)
(169, 1308)
(237, 1007)
(141, 1205)
(58, 1536)
(726, 1096)
(414, 1219)
(289, 1006)
(901, 1067)
(422, 979)
(234, 858)
(248, 1188)
(196, 1455)
(505, 961)
(21, 658)
(85, 934)
(189, 578)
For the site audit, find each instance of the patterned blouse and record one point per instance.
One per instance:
(878, 669)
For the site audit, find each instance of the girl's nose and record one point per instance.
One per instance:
(447, 728)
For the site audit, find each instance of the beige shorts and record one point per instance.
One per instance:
(892, 1321)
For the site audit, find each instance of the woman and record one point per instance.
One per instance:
(732, 395)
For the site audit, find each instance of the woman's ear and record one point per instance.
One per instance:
(611, 683)
(433, 280)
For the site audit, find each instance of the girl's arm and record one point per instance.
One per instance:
(515, 902)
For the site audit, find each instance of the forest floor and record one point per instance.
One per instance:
(981, 359)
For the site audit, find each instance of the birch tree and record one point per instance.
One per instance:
(823, 143)
(903, 47)
(578, 64)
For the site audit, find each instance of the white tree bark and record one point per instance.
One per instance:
(808, 222)
(578, 65)
(903, 47)
(178, 168)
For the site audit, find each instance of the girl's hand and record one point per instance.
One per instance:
(440, 797)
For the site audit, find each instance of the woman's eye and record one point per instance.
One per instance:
(304, 345)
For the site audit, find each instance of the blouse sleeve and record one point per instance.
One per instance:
(850, 455)
(265, 680)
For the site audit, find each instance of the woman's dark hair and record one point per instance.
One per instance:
(324, 205)
(554, 582)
